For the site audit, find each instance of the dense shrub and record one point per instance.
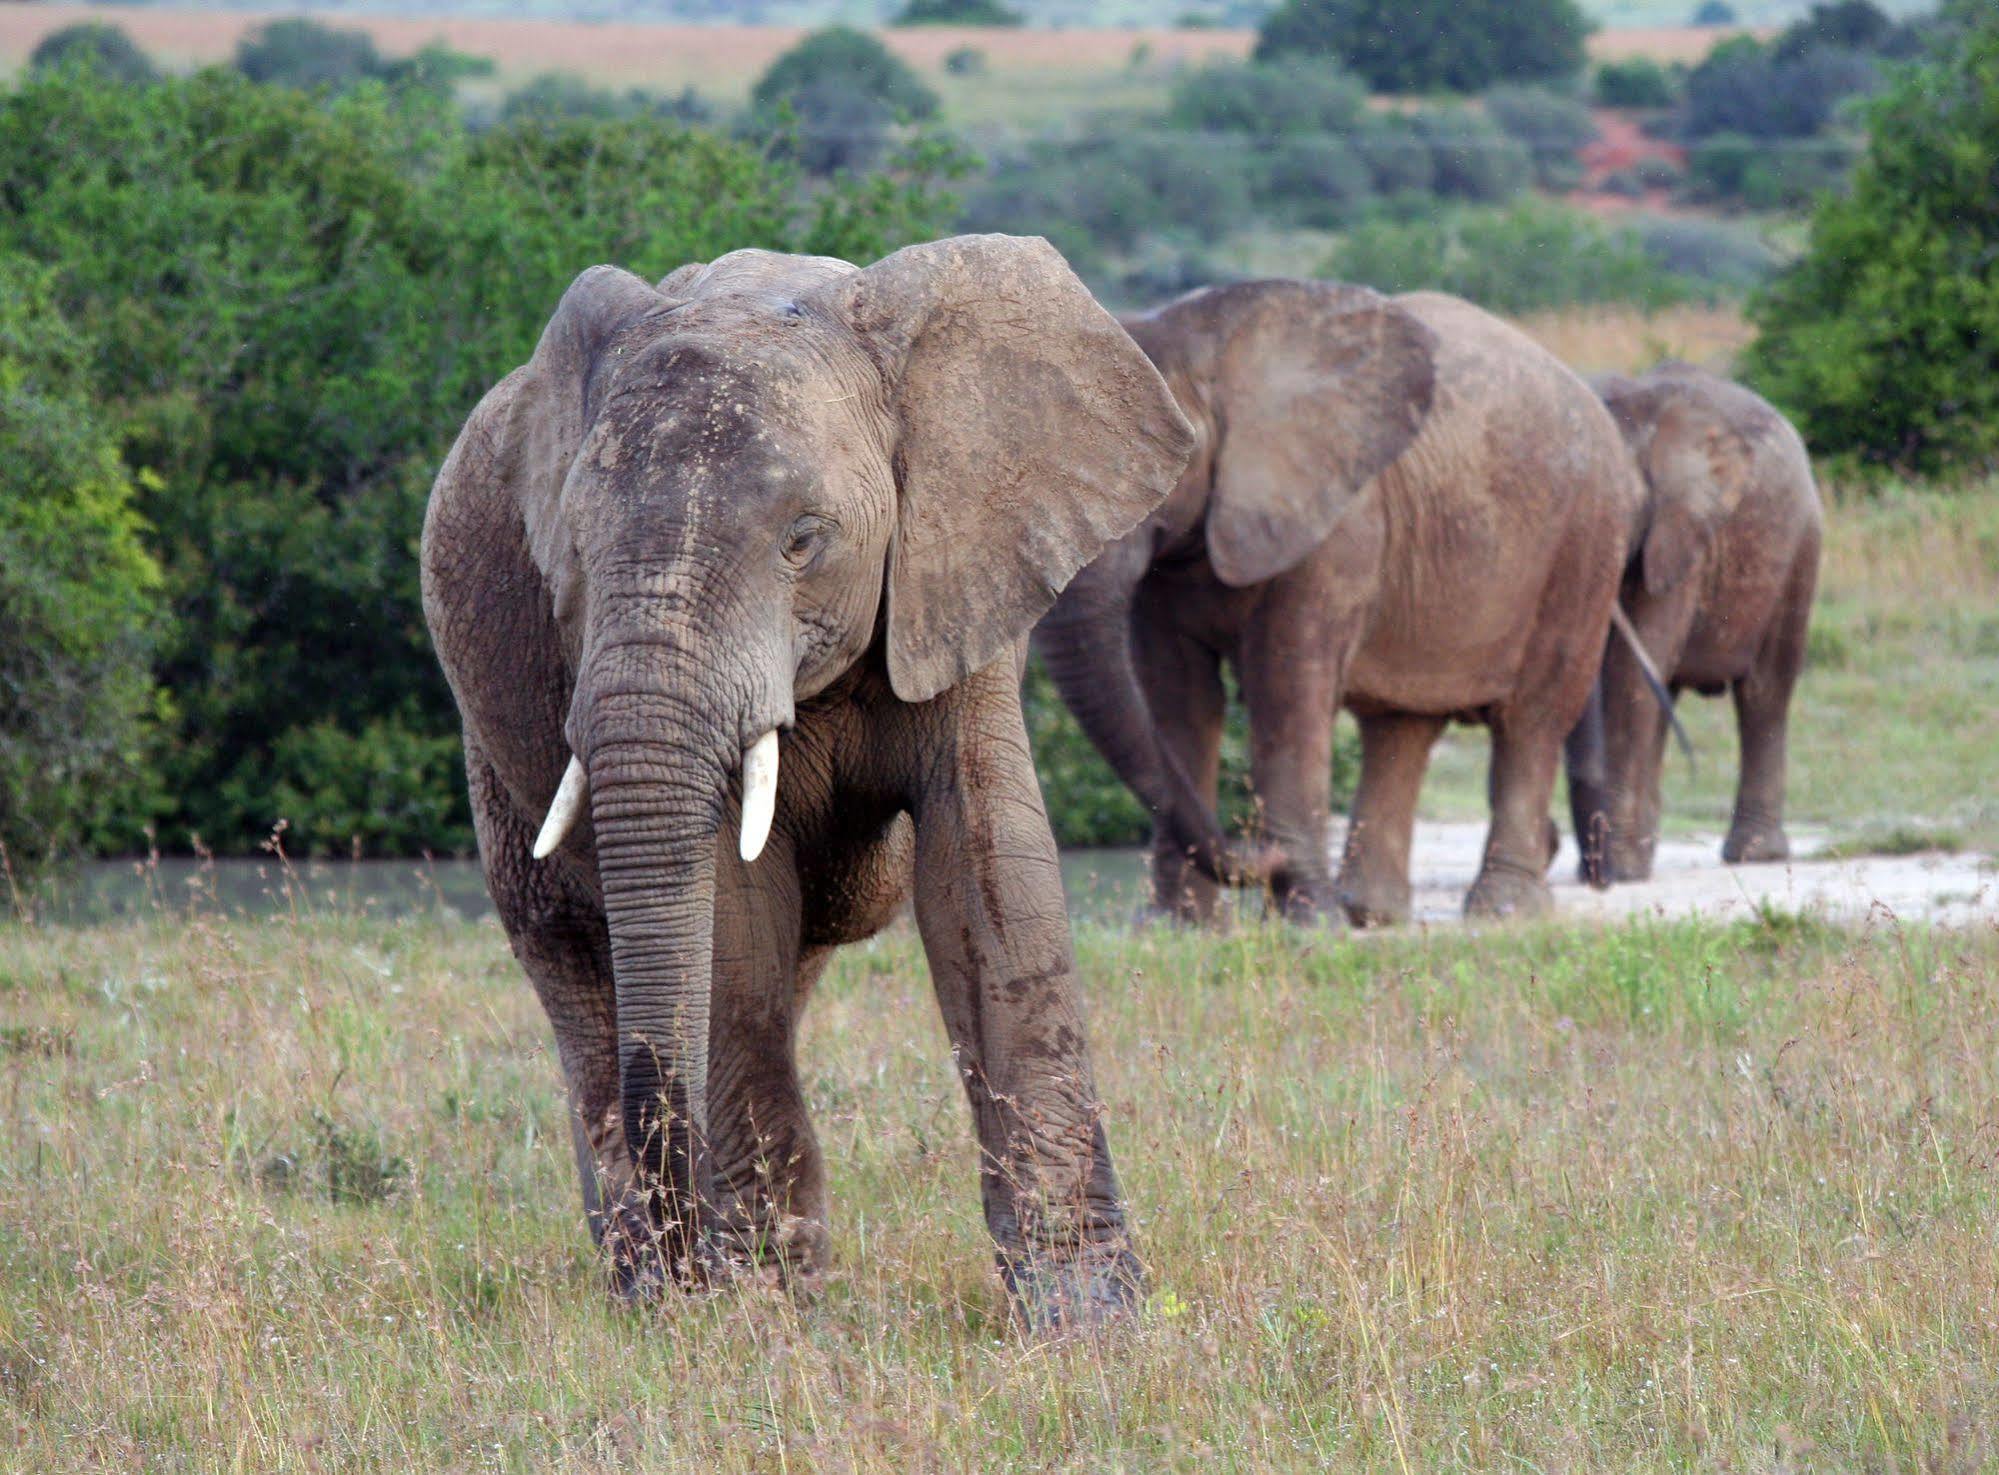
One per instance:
(1470, 158)
(80, 604)
(1432, 45)
(1713, 13)
(294, 302)
(1551, 126)
(1746, 88)
(831, 101)
(955, 13)
(554, 95)
(1727, 260)
(1635, 82)
(1766, 174)
(106, 50)
(302, 53)
(1528, 257)
(1281, 99)
(965, 61)
(1883, 341)
(1319, 180)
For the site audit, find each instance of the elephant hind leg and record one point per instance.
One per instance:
(1374, 868)
(1762, 718)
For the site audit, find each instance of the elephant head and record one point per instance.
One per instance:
(740, 484)
(1695, 463)
(1301, 393)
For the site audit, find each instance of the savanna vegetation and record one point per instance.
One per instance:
(297, 1194)
(280, 296)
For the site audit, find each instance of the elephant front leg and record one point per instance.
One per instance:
(990, 908)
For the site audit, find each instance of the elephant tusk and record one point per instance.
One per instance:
(759, 794)
(563, 809)
(1621, 622)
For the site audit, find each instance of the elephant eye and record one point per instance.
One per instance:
(806, 538)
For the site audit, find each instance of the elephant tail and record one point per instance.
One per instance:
(1621, 622)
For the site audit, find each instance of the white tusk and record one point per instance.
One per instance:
(759, 793)
(563, 809)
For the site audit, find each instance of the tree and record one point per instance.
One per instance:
(107, 50)
(291, 303)
(1636, 82)
(1714, 13)
(830, 101)
(303, 53)
(80, 604)
(956, 13)
(1882, 342)
(1432, 45)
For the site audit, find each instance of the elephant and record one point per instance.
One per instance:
(1718, 593)
(732, 583)
(1397, 504)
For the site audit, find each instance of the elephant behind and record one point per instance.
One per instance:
(751, 556)
(1400, 505)
(1719, 592)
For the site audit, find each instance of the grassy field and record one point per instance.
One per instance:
(296, 1195)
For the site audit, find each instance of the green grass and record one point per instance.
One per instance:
(1892, 727)
(296, 1195)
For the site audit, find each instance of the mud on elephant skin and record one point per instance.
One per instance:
(1399, 505)
(1723, 568)
(731, 582)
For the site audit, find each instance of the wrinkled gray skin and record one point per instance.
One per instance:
(778, 492)
(1397, 504)
(1724, 564)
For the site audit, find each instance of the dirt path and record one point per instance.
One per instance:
(1690, 880)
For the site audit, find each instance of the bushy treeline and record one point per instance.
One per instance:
(255, 317)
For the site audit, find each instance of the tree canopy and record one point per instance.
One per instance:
(1432, 45)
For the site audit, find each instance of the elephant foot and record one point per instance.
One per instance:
(1309, 904)
(1098, 1288)
(1376, 903)
(1509, 894)
(1629, 865)
(1749, 842)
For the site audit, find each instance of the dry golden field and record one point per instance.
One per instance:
(720, 60)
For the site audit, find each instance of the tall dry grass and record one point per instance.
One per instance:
(296, 1195)
(1628, 340)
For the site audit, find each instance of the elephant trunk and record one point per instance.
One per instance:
(1085, 641)
(663, 734)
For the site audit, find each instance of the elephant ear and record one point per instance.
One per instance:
(1030, 431)
(1318, 390)
(553, 406)
(1697, 466)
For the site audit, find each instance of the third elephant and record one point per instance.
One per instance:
(1719, 592)
(1399, 505)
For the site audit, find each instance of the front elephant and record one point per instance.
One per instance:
(1397, 504)
(729, 581)
(1719, 593)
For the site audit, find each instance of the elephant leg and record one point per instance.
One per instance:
(1762, 718)
(770, 1180)
(1374, 870)
(1512, 878)
(1294, 662)
(1636, 727)
(1183, 682)
(557, 930)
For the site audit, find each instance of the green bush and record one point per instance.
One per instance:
(80, 604)
(1280, 99)
(1747, 88)
(1432, 45)
(296, 52)
(1551, 126)
(1635, 82)
(1470, 158)
(293, 302)
(955, 13)
(831, 101)
(555, 95)
(1713, 13)
(1521, 259)
(1882, 342)
(107, 50)
(1732, 168)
